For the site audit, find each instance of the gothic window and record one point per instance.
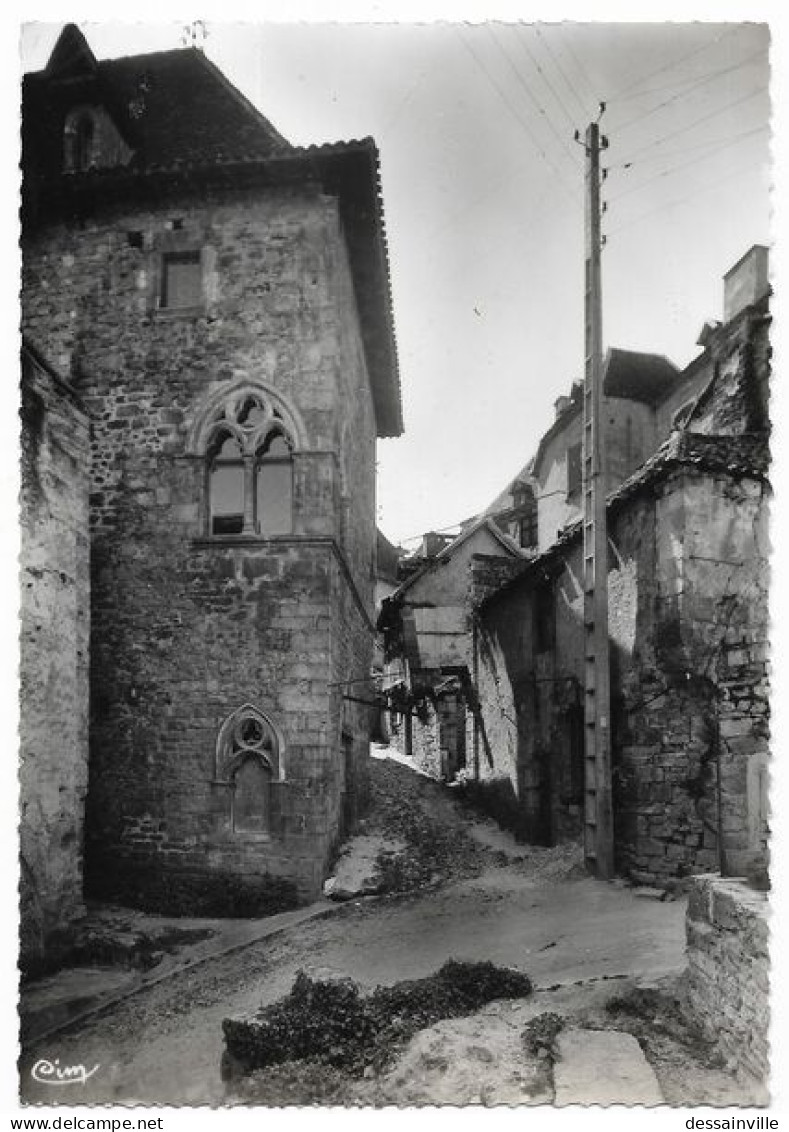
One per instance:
(250, 469)
(248, 760)
(226, 485)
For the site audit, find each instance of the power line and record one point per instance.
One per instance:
(684, 93)
(581, 69)
(681, 200)
(560, 102)
(675, 84)
(502, 95)
(684, 165)
(560, 69)
(540, 109)
(670, 66)
(624, 165)
(698, 122)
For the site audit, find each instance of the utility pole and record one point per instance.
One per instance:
(598, 810)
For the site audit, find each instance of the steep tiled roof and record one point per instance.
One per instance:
(172, 107)
(185, 123)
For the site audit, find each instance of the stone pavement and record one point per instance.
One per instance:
(603, 1067)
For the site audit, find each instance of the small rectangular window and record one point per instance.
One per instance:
(182, 280)
(573, 469)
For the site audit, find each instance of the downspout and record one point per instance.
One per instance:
(716, 738)
(475, 675)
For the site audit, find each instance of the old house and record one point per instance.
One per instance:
(688, 625)
(428, 644)
(218, 302)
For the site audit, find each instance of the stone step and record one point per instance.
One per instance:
(603, 1067)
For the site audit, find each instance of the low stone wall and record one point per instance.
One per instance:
(728, 969)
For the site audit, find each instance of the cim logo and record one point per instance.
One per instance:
(53, 1073)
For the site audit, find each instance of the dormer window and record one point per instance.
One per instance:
(79, 141)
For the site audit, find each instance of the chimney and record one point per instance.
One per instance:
(433, 544)
(561, 404)
(746, 282)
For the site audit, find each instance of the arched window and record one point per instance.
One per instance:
(274, 486)
(249, 466)
(226, 485)
(79, 138)
(249, 753)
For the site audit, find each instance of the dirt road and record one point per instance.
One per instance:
(164, 1045)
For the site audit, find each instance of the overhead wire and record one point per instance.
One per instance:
(684, 93)
(680, 200)
(524, 123)
(560, 69)
(673, 85)
(692, 125)
(684, 165)
(619, 96)
(557, 97)
(537, 104)
(581, 69)
(625, 165)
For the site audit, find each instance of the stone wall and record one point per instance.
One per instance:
(690, 707)
(687, 590)
(187, 628)
(728, 988)
(54, 648)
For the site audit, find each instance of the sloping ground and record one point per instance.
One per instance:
(427, 835)
(580, 941)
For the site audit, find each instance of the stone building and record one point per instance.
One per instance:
(428, 643)
(53, 666)
(688, 625)
(686, 461)
(219, 301)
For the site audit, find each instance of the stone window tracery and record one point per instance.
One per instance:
(249, 754)
(249, 461)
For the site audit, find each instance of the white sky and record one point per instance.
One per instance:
(483, 196)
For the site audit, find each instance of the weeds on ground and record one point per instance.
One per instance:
(330, 1022)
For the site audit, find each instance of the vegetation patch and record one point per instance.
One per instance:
(197, 894)
(540, 1033)
(333, 1024)
(656, 1017)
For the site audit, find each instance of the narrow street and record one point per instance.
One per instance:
(581, 941)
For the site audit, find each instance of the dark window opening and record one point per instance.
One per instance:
(226, 486)
(251, 796)
(83, 144)
(134, 239)
(182, 280)
(574, 474)
(274, 487)
(543, 620)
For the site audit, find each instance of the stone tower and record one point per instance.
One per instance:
(219, 301)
